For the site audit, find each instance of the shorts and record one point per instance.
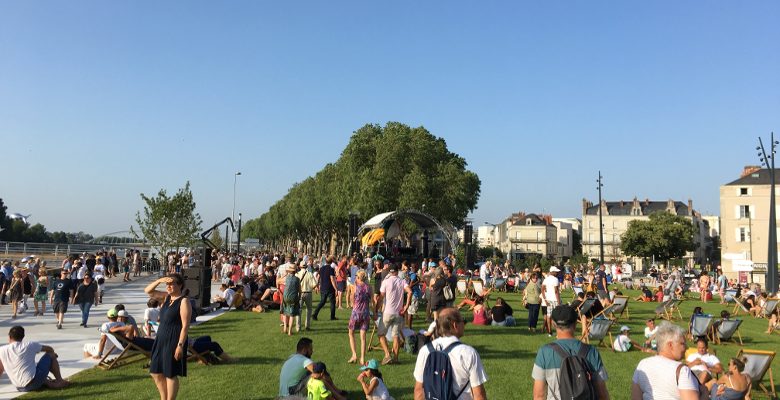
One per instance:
(551, 304)
(41, 374)
(393, 324)
(413, 306)
(359, 322)
(60, 307)
(341, 286)
(603, 295)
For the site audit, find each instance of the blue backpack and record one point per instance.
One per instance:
(438, 379)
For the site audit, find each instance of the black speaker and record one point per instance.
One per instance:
(353, 225)
(468, 233)
(198, 281)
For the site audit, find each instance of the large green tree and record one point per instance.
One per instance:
(168, 222)
(382, 168)
(664, 235)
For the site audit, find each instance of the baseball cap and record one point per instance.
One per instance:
(122, 313)
(112, 313)
(564, 315)
(371, 364)
(554, 269)
(431, 264)
(318, 367)
(624, 328)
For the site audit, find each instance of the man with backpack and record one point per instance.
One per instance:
(560, 365)
(447, 369)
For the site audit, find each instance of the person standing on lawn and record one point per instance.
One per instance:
(547, 366)
(392, 292)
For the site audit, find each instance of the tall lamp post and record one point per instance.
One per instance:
(601, 224)
(771, 261)
(233, 214)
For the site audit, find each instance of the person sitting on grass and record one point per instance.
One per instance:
(226, 297)
(650, 331)
(502, 314)
(471, 302)
(645, 296)
(480, 313)
(297, 371)
(734, 384)
(17, 359)
(624, 343)
(371, 380)
(659, 294)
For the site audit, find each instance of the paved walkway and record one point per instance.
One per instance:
(69, 341)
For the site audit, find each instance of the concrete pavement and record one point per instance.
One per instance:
(69, 341)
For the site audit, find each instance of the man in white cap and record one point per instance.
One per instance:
(624, 343)
(551, 290)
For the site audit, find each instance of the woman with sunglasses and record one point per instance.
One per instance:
(169, 351)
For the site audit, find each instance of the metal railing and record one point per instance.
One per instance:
(56, 251)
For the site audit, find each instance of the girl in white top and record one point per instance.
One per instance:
(151, 317)
(371, 380)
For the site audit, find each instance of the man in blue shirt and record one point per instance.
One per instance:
(327, 286)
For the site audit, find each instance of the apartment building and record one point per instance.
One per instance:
(744, 225)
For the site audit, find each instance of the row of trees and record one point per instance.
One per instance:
(16, 230)
(381, 169)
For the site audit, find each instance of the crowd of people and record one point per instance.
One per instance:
(389, 296)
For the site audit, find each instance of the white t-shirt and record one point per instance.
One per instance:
(81, 272)
(228, 296)
(292, 372)
(710, 361)
(18, 360)
(622, 343)
(466, 365)
(152, 315)
(380, 391)
(656, 376)
(550, 283)
(99, 271)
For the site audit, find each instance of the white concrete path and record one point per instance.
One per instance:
(69, 341)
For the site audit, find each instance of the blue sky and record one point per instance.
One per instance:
(101, 101)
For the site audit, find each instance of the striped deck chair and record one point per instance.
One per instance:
(577, 290)
(621, 303)
(598, 330)
(769, 307)
(462, 286)
(726, 330)
(759, 362)
(701, 325)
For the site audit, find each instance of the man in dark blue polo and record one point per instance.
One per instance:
(327, 286)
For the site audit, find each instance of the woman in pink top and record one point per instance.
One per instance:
(480, 313)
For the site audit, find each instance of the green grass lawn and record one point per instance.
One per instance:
(508, 355)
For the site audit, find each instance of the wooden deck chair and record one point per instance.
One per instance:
(598, 329)
(193, 355)
(608, 312)
(128, 352)
(726, 331)
(577, 290)
(586, 305)
(462, 286)
(769, 307)
(667, 309)
(477, 287)
(701, 325)
(621, 303)
(730, 295)
(740, 306)
(759, 362)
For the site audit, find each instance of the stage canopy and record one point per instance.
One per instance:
(387, 222)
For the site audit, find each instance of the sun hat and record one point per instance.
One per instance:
(371, 364)
(624, 328)
(554, 269)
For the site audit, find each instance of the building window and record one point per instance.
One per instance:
(590, 224)
(743, 191)
(743, 234)
(517, 235)
(744, 211)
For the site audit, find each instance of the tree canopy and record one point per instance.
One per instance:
(665, 236)
(381, 169)
(168, 222)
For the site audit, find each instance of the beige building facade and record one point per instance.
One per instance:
(744, 225)
(523, 234)
(616, 215)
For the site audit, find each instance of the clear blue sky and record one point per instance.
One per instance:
(101, 101)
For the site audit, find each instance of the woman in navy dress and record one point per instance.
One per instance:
(169, 352)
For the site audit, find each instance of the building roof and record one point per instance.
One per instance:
(648, 207)
(760, 177)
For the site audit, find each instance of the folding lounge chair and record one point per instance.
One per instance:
(701, 325)
(740, 306)
(730, 295)
(479, 290)
(586, 305)
(769, 307)
(577, 290)
(667, 309)
(462, 286)
(759, 362)
(499, 284)
(193, 355)
(598, 330)
(726, 331)
(621, 303)
(127, 355)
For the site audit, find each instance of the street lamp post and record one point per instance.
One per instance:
(601, 224)
(771, 261)
(233, 214)
(238, 238)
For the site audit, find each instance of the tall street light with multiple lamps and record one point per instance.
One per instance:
(601, 224)
(233, 214)
(768, 160)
